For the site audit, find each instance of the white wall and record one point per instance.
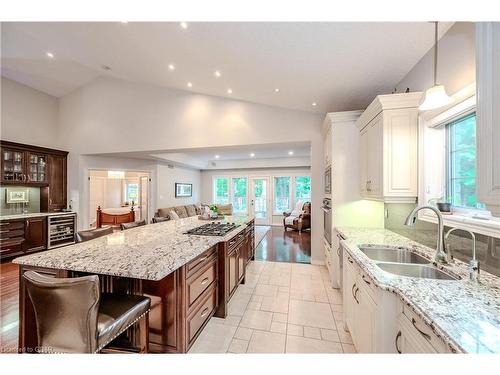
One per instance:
(166, 180)
(456, 62)
(27, 115)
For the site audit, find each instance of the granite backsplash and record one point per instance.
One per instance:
(487, 248)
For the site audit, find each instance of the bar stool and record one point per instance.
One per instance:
(87, 235)
(73, 316)
(159, 219)
(133, 224)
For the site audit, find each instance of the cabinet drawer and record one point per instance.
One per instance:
(11, 248)
(235, 241)
(200, 261)
(367, 283)
(201, 315)
(5, 234)
(198, 283)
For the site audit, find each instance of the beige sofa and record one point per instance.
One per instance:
(192, 210)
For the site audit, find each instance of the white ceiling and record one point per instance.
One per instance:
(265, 156)
(339, 65)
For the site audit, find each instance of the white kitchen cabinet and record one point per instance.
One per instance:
(364, 319)
(488, 114)
(349, 285)
(388, 152)
(327, 140)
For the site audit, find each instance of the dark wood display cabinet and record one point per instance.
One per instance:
(26, 165)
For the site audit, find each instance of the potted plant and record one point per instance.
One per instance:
(215, 210)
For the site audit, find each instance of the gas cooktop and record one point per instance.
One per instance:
(213, 229)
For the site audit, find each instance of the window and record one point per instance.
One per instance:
(221, 190)
(240, 197)
(132, 193)
(281, 194)
(302, 188)
(461, 162)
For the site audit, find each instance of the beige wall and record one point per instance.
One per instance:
(456, 62)
(27, 115)
(167, 177)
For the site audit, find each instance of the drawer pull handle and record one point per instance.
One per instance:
(204, 281)
(2, 224)
(350, 260)
(397, 342)
(4, 231)
(352, 290)
(366, 281)
(202, 259)
(426, 335)
(7, 249)
(338, 251)
(355, 295)
(204, 312)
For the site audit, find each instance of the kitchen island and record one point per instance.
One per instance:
(189, 278)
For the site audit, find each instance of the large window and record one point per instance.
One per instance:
(461, 162)
(302, 188)
(240, 196)
(281, 194)
(221, 190)
(132, 193)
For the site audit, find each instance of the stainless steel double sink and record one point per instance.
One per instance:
(401, 261)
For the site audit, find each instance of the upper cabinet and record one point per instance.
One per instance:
(488, 114)
(389, 140)
(327, 140)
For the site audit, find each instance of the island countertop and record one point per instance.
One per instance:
(149, 252)
(465, 314)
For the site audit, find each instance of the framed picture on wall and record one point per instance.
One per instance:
(183, 190)
(17, 195)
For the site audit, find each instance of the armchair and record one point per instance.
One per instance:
(300, 218)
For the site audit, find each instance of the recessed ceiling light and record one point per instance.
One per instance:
(217, 156)
(50, 55)
(184, 25)
(276, 90)
(229, 91)
(314, 104)
(217, 73)
(171, 67)
(252, 154)
(105, 67)
(189, 84)
(290, 152)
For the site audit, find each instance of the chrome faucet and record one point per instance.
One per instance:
(473, 264)
(440, 256)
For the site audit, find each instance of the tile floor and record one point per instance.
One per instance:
(282, 308)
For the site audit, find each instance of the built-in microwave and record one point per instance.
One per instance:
(328, 180)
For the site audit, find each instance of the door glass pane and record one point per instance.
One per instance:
(221, 190)
(260, 198)
(240, 195)
(132, 193)
(302, 188)
(281, 194)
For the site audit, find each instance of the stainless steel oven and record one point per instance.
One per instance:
(327, 222)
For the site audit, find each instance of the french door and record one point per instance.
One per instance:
(260, 200)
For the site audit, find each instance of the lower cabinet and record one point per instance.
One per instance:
(21, 236)
(35, 234)
(233, 271)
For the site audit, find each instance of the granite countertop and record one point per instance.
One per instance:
(34, 214)
(149, 252)
(465, 314)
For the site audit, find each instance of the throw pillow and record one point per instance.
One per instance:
(173, 215)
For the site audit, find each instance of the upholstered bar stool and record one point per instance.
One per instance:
(87, 235)
(72, 315)
(133, 224)
(159, 219)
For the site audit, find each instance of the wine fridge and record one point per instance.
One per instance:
(62, 230)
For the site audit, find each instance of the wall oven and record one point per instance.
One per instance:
(327, 222)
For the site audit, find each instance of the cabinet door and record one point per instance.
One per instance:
(13, 165)
(233, 269)
(35, 234)
(57, 182)
(375, 157)
(364, 320)
(241, 261)
(408, 340)
(36, 167)
(349, 286)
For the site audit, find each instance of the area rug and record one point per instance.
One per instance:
(260, 232)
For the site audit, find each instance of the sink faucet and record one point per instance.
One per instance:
(473, 264)
(440, 256)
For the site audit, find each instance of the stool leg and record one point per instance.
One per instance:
(144, 333)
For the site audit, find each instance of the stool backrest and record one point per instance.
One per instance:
(133, 224)
(87, 235)
(66, 311)
(159, 219)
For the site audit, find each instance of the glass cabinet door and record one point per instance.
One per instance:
(13, 165)
(37, 168)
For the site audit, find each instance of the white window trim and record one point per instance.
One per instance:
(247, 211)
(462, 217)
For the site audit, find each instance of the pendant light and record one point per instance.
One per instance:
(435, 96)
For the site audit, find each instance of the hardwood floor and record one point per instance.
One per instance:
(9, 307)
(279, 245)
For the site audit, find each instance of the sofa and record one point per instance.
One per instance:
(298, 219)
(191, 210)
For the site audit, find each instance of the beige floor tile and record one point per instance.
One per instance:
(338, 315)
(275, 304)
(256, 298)
(254, 306)
(215, 338)
(283, 289)
(311, 314)
(339, 308)
(266, 342)
(345, 337)
(238, 346)
(330, 335)
(257, 320)
(295, 330)
(349, 348)
(321, 298)
(278, 327)
(243, 333)
(232, 320)
(215, 320)
(265, 290)
(312, 333)
(334, 296)
(238, 304)
(281, 318)
(295, 344)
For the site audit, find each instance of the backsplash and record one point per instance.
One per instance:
(487, 248)
(10, 209)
